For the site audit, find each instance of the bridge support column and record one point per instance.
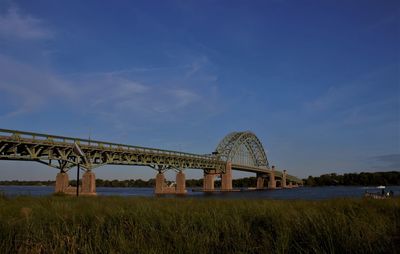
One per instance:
(208, 182)
(283, 184)
(226, 179)
(180, 183)
(272, 181)
(290, 185)
(163, 188)
(260, 182)
(89, 183)
(160, 178)
(62, 182)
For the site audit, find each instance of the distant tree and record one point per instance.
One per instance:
(362, 178)
(310, 181)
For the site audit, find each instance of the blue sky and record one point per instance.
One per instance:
(317, 81)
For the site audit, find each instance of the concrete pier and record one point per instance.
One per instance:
(88, 187)
(272, 181)
(226, 178)
(180, 183)
(283, 184)
(208, 182)
(163, 188)
(62, 182)
(160, 179)
(260, 182)
(89, 184)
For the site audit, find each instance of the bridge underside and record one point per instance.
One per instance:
(265, 171)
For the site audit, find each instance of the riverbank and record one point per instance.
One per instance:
(174, 225)
(350, 179)
(303, 193)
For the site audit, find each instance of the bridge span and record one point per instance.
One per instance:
(237, 151)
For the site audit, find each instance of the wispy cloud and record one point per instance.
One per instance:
(331, 98)
(13, 24)
(196, 66)
(347, 103)
(110, 96)
(184, 97)
(119, 94)
(387, 162)
(154, 94)
(29, 86)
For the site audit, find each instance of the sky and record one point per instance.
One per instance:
(318, 82)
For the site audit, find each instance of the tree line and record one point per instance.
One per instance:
(363, 179)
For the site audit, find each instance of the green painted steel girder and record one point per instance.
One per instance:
(60, 152)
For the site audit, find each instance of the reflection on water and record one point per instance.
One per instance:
(312, 193)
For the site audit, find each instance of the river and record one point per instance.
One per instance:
(309, 193)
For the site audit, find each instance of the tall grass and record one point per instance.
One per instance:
(169, 225)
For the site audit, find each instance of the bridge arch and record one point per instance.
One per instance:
(242, 148)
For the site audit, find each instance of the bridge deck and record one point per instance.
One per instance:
(59, 152)
(264, 170)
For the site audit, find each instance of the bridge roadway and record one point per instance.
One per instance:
(65, 153)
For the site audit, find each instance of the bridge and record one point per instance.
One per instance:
(241, 151)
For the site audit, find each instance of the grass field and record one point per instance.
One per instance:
(183, 225)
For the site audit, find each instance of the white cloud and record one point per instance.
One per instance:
(120, 97)
(15, 25)
(196, 66)
(184, 97)
(30, 87)
(105, 88)
(117, 97)
(124, 96)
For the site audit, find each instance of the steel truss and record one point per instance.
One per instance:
(59, 152)
(230, 147)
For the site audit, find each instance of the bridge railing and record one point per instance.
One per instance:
(92, 143)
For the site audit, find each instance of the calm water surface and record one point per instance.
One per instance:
(311, 193)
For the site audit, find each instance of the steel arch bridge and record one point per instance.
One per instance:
(243, 148)
(241, 151)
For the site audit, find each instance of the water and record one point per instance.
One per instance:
(310, 193)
